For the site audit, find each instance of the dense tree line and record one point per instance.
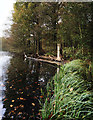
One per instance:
(38, 27)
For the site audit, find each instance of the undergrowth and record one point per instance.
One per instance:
(69, 94)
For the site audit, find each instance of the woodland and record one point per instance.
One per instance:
(36, 29)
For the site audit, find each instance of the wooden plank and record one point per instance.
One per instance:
(48, 61)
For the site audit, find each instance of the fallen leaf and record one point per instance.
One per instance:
(21, 98)
(5, 99)
(10, 86)
(20, 89)
(11, 105)
(21, 92)
(33, 104)
(41, 96)
(13, 100)
(19, 113)
(9, 113)
(22, 106)
(12, 111)
(38, 113)
(35, 97)
(24, 118)
(15, 109)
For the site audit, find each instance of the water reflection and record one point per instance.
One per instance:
(4, 62)
(25, 79)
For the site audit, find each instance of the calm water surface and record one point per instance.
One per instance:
(21, 86)
(4, 62)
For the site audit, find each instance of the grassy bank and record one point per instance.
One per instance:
(69, 93)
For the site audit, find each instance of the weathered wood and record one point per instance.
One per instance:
(52, 58)
(48, 61)
(58, 52)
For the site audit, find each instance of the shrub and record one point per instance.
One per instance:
(73, 97)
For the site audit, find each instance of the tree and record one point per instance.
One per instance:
(38, 26)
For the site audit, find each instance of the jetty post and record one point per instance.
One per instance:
(58, 52)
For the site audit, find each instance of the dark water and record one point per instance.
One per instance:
(23, 88)
(4, 62)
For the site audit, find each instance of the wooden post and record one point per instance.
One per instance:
(58, 70)
(58, 52)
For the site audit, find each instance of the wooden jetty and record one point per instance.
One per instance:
(51, 60)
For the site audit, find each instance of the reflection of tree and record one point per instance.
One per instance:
(23, 89)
